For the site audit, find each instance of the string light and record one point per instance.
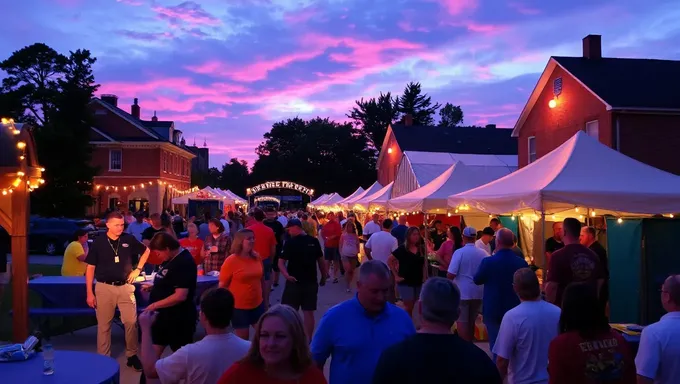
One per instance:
(619, 220)
(32, 182)
(134, 187)
(592, 213)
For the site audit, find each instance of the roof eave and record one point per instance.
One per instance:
(118, 111)
(644, 109)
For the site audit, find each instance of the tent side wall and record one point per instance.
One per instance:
(406, 180)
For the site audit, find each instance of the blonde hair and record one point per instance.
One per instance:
(350, 227)
(192, 225)
(300, 357)
(237, 243)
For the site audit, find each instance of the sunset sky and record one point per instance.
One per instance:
(224, 70)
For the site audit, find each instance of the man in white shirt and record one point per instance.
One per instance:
(526, 332)
(464, 264)
(373, 227)
(484, 242)
(379, 247)
(283, 219)
(202, 362)
(658, 357)
(224, 221)
(137, 227)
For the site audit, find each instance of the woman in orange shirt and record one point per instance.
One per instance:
(279, 353)
(242, 274)
(192, 243)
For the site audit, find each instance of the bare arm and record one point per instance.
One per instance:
(502, 365)
(367, 252)
(551, 291)
(283, 269)
(81, 257)
(177, 297)
(89, 285)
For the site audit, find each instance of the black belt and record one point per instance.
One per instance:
(116, 283)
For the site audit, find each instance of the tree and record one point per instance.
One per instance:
(235, 176)
(417, 105)
(211, 178)
(373, 116)
(451, 115)
(320, 153)
(52, 92)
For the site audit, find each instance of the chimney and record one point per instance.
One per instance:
(110, 99)
(154, 118)
(135, 110)
(407, 120)
(592, 47)
(491, 126)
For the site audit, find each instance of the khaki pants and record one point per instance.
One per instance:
(108, 298)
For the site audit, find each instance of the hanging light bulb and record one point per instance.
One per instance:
(592, 213)
(619, 220)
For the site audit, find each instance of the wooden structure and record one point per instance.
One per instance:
(19, 175)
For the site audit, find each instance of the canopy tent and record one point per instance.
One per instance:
(375, 201)
(349, 202)
(319, 199)
(354, 194)
(237, 199)
(206, 193)
(433, 196)
(319, 202)
(580, 174)
(331, 203)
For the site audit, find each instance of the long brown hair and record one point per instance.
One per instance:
(420, 244)
(300, 357)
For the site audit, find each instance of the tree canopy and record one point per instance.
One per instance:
(374, 115)
(413, 102)
(450, 115)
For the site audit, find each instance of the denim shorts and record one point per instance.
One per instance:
(244, 318)
(267, 268)
(407, 292)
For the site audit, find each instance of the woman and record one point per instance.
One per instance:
(409, 268)
(192, 243)
(166, 223)
(454, 241)
(215, 246)
(172, 295)
(74, 255)
(242, 274)
(279, 353)
(588, 351)
(349, 251)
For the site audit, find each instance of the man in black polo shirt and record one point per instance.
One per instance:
(110, 262)
(303, 254)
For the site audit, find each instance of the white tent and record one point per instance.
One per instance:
(206, 193)
(319, 202)
(580, 174)
(349, 202)
(237, 199)
(319, 199)
(354, 194)
(331, 202)
(375, 201)
(433, 196)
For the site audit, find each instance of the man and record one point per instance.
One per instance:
(496, 273)
(526, 332)
(588, 238)
(265, 246)
(152, 229)
(138, 226)
(495, 225)
(658, 357)
(464, 264)
(308, 225)
(434, 355)
(224, 221)
(372, 227)
(357, 331)
(399, 232)
(279, 232)
(110, 261)
(282, 219)
(331, 233)
(555, 242)
(438, 234)
(484, 242)
(573, 263)
(204, 361)
(303, 254)
(381, 245)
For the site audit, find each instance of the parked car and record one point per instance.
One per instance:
(52, 236)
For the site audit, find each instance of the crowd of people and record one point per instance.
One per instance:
(551, 332)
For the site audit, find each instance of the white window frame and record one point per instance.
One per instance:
(111, 151)
(531, 139)
(589, 126)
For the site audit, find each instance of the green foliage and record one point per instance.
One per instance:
(51, 92)
(373, 116)
(318, 153)
(416, 104)
(235, 176)
(206, 179)
(450, 115)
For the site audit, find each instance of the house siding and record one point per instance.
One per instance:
(113, 125)
(576, 106)
(389, 163)
(137, 162)
(650, 138)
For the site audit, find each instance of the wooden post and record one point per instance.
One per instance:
(20, 215)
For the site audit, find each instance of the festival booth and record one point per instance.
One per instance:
(374, 202)
(585, 179)
(237, 200)
(330, 204)
(349, 202)
(200, 202)
(341, 204)
(318, 200)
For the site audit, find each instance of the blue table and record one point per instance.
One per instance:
(70, 292)
(69, 367)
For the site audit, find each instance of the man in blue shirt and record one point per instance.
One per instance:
(496, 274)
(357, 331)
(399, 232)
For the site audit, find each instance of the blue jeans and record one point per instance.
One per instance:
(492, 328)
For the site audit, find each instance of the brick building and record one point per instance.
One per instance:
(142, 164)
(630, 105)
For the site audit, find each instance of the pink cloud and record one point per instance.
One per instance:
(523, 8)
(187, 12)
(194, 117)
(456, 7)
(300, 17)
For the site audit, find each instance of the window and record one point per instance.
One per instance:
(531, 149)
(165, 162)
(115, 159)
(593, 129)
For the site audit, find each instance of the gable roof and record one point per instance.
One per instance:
(462, 140)
(137, 123)
(620, 84)
(97, 135)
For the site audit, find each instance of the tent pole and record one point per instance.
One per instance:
(545, 267)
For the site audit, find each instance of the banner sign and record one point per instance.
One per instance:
(280, 184)
(272, 199)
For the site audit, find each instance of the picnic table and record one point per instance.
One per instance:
(69, 367)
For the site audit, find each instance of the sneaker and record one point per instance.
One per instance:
(134, 363)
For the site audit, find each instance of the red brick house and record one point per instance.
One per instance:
(142, 164)
(631, 105)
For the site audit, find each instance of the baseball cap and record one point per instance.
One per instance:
(294, 223)
(488, 231)
(469, 232)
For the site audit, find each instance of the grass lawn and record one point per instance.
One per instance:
(58, 325)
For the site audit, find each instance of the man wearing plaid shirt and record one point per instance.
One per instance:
(217, 248)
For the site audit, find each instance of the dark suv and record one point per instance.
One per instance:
(52, 236)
